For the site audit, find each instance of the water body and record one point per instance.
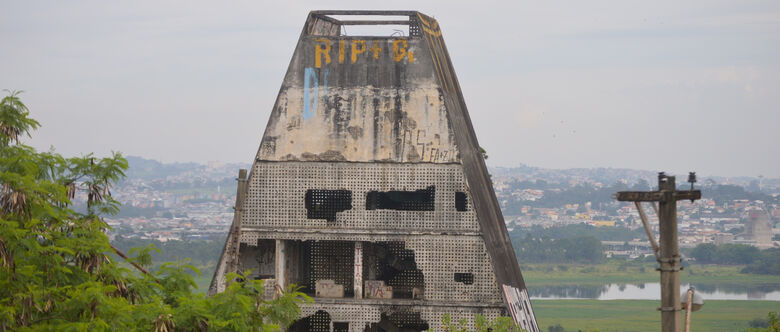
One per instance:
(652, 291)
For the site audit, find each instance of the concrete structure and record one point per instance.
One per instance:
(758, 231)
(369, 188)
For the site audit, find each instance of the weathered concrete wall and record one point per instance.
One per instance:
(346, 99)
(445, 241)
(370, 143)
(275, 200)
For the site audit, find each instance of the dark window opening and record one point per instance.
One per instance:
(418, 200)
(311, 261)
(261, 259)
(324, 204)
(466, 278)
(393, 265)
(460, 201)
(340, 327)
(399, 321)
(319, 322)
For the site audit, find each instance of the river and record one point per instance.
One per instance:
(652, 291)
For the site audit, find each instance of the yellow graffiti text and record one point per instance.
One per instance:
(376, 49)
(342, 44)
(356, 51)
(399, 50)
(322, 49)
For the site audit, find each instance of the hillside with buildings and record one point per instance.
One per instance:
(194, 201)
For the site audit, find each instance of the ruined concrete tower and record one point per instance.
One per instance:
(369, 188)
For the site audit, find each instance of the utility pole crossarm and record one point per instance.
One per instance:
(669, 254)
(656, 196)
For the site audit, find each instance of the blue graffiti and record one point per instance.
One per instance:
(309, 107)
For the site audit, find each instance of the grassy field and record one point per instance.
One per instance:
(632, 272)
(639, 315)
(628, 315)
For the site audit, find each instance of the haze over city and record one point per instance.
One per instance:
(596, 84)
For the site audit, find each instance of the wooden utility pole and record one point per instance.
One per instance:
(669, 258)
(234, 238)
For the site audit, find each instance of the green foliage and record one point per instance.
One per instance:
(767, 262)
(56, 271)
(14, 120)
(483, 152)
(726, 254)
(704, 253)
(481, 324)
(759, 322)
(201, 252)
(727, 192)
(555, 328)
(772, 324)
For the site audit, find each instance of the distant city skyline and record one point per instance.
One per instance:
(552, 85)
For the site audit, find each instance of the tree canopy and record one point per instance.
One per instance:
(725, 254)
(56, 267)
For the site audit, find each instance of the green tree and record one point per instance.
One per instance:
(56, 271)
(481, 324)
(704, 253)
(768, 262)
(772, 324)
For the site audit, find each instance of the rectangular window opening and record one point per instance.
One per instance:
(261, 259)
(390, 271)
(466, 278)
(460, 201)
(340, 327)
(418, 200)
(324, 204)
(365, 23)
(323, 268)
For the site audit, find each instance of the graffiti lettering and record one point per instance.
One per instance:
(322, 50)
(309, 106)
(376, 49)
(342, 44)
(399, 52)
(356, 50)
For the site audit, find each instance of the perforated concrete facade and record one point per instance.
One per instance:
(369, 190)
(277, 189)
(444, 241)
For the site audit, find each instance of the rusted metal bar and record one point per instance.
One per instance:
(639, 196)
(228, 260)
(327, 18)
(378, 22)
(688, 309)
(656, 196)
(646, 225)
(121, 254)
(687, 194)
(235, 230)
(366, 12)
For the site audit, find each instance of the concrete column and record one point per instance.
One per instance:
(358, 281)
(670, 257)
(281, 264)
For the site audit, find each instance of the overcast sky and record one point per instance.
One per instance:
(677, 86)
